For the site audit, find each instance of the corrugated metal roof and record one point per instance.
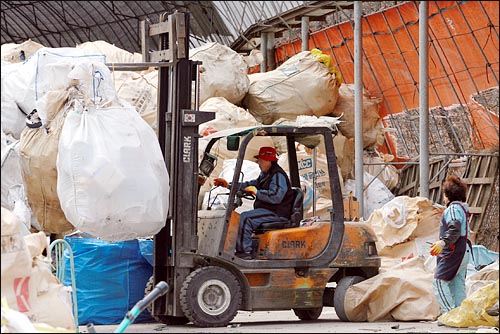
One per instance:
(67, 23)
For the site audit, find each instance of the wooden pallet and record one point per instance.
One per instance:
(480, 173)
(410, 179)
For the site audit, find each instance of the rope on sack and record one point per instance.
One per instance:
(8, 149)
(99, 77)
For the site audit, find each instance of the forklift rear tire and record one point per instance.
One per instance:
(164, 319)
(308, 314)
(340, 292)
(210, 297)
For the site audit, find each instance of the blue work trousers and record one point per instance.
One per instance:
(249, 221)
(450, 294)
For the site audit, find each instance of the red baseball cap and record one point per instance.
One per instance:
(267, 153)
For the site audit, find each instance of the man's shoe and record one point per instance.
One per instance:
(244, 255)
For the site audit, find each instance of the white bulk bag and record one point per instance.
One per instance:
(11, 168)
(11, 52)
(388, 174)
(375, 193)
(38, 154)
(223, 72)
(13, 120)
(28, 284)
(141, 91)
(300, 86)
(46, 70)
(373, 129)
(112, 179)
(113, 53)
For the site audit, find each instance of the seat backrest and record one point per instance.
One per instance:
(297, 208)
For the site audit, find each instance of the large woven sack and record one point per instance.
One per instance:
(11, 169)
(141, 91)
(38, 154)
(404, 218)
(375, 193)
(403, 293)
(373, 131)
(223, 72)
(300, 86)
(46, 70)
(13, 119)
(28, 284)
(112, 179)
(110, 277)
(113, 53)
(15, 53)
(388, 174)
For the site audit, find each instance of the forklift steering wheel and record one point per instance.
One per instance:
(246, 195)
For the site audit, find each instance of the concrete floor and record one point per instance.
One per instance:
(287, 322)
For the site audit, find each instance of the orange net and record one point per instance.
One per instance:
(463, 59)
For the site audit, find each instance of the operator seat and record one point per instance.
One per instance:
(296, 215)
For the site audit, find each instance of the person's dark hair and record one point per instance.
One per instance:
(454, 188)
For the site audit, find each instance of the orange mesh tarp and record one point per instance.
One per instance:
(463, 57)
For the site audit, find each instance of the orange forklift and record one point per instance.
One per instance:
(295, 267)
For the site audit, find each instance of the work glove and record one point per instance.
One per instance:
(437, 247)
(251, 189)
(220, 182)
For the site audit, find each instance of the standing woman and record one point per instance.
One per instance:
(454, 247)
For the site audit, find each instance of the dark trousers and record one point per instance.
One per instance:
(249, 221)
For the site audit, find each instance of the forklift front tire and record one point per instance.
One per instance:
(210, 297)
(164, 319)
(340, 292)
(308, 314)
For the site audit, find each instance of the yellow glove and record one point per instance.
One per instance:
(220, 182)
(251, 189)
(437, 247)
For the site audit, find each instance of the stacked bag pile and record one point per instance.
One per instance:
(307, 84)
(92, 169)
(84, 161)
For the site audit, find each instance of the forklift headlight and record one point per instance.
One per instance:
(372, 249)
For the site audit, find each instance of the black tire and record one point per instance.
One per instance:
(210, 297)
(171, 320)
(164, 319)
(340, 292)
(308, 314)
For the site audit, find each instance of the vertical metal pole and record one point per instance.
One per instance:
(314, 181)
(305, 32)
(144, 40)
(424, 98)
(271, 61)
(358, 109)
(263, 50)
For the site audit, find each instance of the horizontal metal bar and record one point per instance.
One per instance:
(392, 163)
(469, 154)
(143, 66)
(137, 66)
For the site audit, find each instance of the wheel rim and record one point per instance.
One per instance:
(214, 297)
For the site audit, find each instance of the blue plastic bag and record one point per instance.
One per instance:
(110, 278)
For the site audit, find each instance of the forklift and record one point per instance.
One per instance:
(299, 268)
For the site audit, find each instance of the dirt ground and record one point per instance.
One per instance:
(287, 322)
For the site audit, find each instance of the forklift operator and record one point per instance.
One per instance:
(273, 199)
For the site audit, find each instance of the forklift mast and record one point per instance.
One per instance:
(178, 137)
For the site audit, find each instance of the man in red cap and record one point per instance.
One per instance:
(273, 199)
